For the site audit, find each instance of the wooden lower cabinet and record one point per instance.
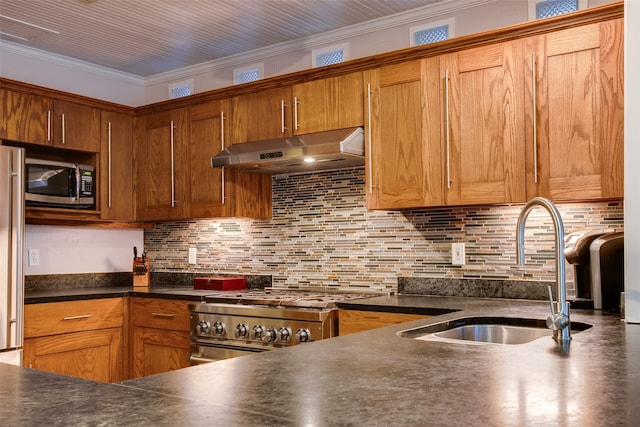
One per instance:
(158, 350)
(352, 321)
(92, 355)
(159, 336)
(77, 338)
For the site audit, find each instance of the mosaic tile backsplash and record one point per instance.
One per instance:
(321, 235)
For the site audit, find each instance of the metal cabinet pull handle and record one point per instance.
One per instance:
(222, 119)
(173, 172)
(170, 315)
(282, 107)
(49, 126)
(369, 138)
(446, 125)
(534, 88)
(82, 316)
(109, 163)
(63, 131)
(296, 125)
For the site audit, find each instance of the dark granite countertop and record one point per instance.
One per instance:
(58, 295)
(369, 378)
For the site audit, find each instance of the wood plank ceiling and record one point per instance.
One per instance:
(147, 37)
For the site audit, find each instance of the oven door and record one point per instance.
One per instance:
(205, 352)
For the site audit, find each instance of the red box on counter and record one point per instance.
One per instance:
(220, 283)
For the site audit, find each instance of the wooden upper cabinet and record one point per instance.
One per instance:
(261, 115)
(326, 104)
(161, 166)
(39, 120)
(579, 101)
(208, 128)
(484, 148)
(76, 126)
(314, 106)
(218, 192)
(116, 167)
(25, 118)
(404, 159)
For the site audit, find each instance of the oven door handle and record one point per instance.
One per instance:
(198, 360)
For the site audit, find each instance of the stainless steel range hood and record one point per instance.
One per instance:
(334, 149)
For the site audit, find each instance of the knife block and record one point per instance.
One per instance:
(141, 273)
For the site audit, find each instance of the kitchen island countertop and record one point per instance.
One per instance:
(369, 378)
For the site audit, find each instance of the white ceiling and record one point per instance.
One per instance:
(147, 37)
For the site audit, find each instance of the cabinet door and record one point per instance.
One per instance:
(76, 126)
(158, 350)
(326, 104)
(266, 114)
(116, 167)
(93, 355)
(160, 162)
(580, 101)
(208, 134)
(25, 118)
(352, 321)
(485, 147)
(404, 161)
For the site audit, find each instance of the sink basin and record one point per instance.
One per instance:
(487, 330)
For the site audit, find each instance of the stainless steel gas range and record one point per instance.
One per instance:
(231, 324)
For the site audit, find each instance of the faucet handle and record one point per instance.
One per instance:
(556, 321)
(553, 308)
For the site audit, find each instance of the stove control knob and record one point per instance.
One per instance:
(218, 328)
(241, 330)
(284, 334)
(203, 327)
(257, 332)
(303, 335)
(270, 335)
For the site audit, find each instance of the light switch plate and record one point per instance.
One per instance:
(457, 254)
(192, 256)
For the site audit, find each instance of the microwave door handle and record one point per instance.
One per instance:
(77, 186)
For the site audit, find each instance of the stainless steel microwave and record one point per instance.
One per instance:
(59, 184)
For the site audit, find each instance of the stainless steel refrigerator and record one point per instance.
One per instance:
(11, 254)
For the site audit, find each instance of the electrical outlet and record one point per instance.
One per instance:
(457, 253)
(34, 257)
(192, 256)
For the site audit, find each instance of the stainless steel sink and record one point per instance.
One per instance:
(487, 330)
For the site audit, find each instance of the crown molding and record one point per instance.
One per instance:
(439, 9)
(409, 17)
(65, 61)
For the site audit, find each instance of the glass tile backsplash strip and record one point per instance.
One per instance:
(321, 234)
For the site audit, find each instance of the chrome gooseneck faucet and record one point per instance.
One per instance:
(559, 320)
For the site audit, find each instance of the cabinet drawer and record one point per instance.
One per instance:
(72, 316)
(352, 321)
(160, 313)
